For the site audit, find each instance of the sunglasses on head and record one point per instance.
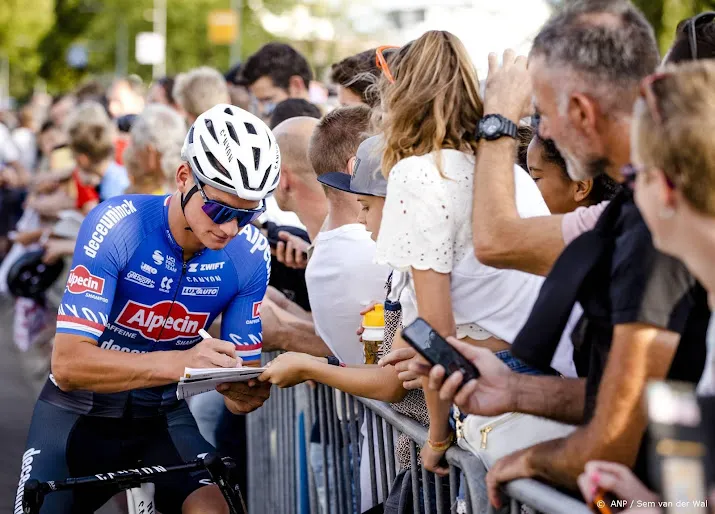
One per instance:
(381, 61)
(221, 213)
(701, 19)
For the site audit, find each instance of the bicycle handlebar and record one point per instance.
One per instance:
(217, 467)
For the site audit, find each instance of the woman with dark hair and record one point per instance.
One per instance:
(161, 92)
(694, 39)
(548, 169)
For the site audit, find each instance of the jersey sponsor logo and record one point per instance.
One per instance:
(204, 280)
(212, 266)
(199, 291)
(135, 277)
(248, 350)
(108, 220)
(27, 458)
(80, 281)
(193, 267)
(170, 263)
(260, 244)
(257, 309)
(157, 257)
(148, 269)
(70, 317)
(154, 321)
(109, 345)
(165, 285)
(121, 331)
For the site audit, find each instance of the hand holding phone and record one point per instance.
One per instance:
(428, 343)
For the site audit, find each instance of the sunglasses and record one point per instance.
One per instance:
(381, 61)
(701, 19)
(221, 213)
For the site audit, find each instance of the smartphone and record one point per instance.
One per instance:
(428, 343)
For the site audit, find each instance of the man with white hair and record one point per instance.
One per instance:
(157, 137)
(198, 90)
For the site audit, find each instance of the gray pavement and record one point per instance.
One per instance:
(17, 399)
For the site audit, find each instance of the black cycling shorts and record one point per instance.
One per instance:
(64, 444)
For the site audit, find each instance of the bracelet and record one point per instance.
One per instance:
(441, 446)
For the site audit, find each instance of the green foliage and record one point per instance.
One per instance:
(665, 15)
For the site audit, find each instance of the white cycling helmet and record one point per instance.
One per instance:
(234, 151)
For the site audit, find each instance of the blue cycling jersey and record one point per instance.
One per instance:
(130, 290)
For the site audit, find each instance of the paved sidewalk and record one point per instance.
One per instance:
(17, 400)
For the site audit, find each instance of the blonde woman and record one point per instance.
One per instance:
(430, 110)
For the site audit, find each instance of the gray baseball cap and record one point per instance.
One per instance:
(367, 176)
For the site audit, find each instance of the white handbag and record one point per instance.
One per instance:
(492, 437)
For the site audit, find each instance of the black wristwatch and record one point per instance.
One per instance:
(494, 126)
(334, 361)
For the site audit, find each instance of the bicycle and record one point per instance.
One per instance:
(217, 467)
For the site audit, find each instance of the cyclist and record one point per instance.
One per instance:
(148, 273)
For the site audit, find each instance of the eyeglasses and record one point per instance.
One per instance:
(700, 19)
(221, 213)
(381, 62)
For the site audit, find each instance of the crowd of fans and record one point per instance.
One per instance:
(570, 264)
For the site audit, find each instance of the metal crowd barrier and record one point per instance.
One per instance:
(281, 479)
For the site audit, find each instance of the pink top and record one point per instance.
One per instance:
(581, 220)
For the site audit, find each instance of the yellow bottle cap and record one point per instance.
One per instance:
(375, 318)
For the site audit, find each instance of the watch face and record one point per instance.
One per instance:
(491, 126)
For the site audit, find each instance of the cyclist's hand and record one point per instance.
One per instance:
(245, 397)
(292, 250)
(211, 353)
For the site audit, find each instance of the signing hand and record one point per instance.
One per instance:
(244, 397)
(508, 90)
(210, 353)
(492, 394)
(292, 251)
(289, 369)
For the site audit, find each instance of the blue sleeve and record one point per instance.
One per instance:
(241, 322)
(97, 261)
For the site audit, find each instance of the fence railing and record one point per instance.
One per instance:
(281, 478)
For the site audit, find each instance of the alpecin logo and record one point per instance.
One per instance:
(155, 321)
(80, 281)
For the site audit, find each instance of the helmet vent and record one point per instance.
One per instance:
(228, 111)
(232, 132)
(250, 128)
(217, 165)
(210, 127)
(256, 157)
(191, 135)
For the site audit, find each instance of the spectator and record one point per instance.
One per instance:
(90, 91)
(645, 315)
(25, 141)
(92, 141)
(198, 90)
(156, 139)
(426, 231)
(548, 168)
(62, 106)
(675, 173)
(240, 96)
(126, 96)
(162, 92)
(292, 108)
(298, 191)
(275, 73)
(355, 76)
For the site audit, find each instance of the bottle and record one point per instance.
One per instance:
(374, 324)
